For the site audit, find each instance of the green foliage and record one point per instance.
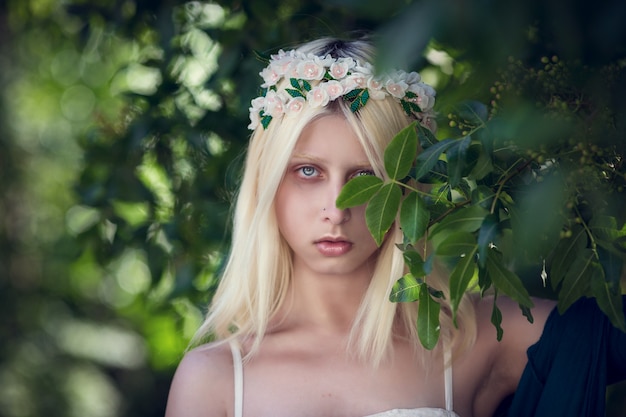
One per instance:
(501, 201)
(123, 128)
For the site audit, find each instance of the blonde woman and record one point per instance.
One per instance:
(301, 324)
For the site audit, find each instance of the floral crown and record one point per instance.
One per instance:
(355, 82)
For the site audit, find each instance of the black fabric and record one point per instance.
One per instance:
(577, 356)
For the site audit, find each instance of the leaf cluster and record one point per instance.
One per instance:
(491, 207)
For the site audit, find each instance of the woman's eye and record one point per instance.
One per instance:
(307, 171)
(364, 172)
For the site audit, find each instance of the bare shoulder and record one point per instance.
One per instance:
(203, 383)
(504, 360)
(518, 332)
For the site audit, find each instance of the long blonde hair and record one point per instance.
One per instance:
(255, 280)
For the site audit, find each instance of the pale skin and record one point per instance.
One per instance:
(302, 368)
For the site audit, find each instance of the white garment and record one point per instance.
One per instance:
(413, 412)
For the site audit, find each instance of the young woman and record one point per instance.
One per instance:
(301, 323)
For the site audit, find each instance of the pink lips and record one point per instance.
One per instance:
(333, 246)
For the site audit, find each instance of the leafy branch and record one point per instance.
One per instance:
(498, 205)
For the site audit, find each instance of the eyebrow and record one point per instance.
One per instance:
(306, 157)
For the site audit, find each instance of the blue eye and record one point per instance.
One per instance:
(308, 171)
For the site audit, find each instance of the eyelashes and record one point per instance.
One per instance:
(310, 171)
(364, 172)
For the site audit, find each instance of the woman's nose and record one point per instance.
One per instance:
(334, 215)
(330, 211)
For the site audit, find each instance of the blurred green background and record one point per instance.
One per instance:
(122, 125)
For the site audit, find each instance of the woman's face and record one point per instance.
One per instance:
(324, 239)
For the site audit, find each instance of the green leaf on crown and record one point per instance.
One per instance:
(265, 120)
(358, 98)
(294, 93)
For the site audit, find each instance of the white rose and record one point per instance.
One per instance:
(317, 97)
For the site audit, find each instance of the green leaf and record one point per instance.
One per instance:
(566, 251)
(466, 219)
(365, 97)
(496, 319)
(484, 281)
(426, 137)
(400, 153)
(483, 167)
(577, 279)
(483, 196)
(294, 83)
(294, 93)
(265, 121)
(607, 235)
(382, 209)
(352, 94)
(356, 105)
(527, 313)
(486, 236)
(459, 280)
(506, 281)
(429, 157)
(414, 217)
(473, 112)
(428, 328)
(456, 160)
(359, 190)
(406, 289)
(457, 244)
(612, 266)
(416, 264)
(608, 298)
(605, 227)
(438, 174)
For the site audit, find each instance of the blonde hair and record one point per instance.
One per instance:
(257, 275)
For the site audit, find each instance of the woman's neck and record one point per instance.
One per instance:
(327, 303)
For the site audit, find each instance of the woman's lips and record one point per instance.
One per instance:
(332, 247)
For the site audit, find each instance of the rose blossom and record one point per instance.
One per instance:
(295, 105)
(340, 69)
(270, 76)
(254, 119)
(396, 88)
(355, 80)
(310, 70)
(374, 87)
(274, 105)
(333, 88)
(317, 97)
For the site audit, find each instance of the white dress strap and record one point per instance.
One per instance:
(447, 375)
(238, 373)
